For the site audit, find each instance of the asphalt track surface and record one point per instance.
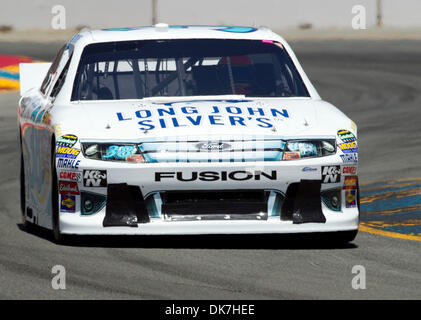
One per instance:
(376, 83)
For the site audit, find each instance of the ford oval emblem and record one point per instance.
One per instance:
(212, 146)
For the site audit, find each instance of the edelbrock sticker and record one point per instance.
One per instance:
(68, 187)
(350, 182)
(331, 174)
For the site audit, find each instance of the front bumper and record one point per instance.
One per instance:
(93, 226)
(154, 180)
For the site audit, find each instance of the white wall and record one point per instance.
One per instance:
(276, 14)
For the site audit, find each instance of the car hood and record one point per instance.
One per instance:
(154, 119)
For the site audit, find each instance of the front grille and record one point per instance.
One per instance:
(198, 205)
(224, 150)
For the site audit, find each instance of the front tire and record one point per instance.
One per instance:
(344, 237)
(55, 216)
(26, 224)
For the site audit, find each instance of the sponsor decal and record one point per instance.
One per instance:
(331, 174)
(136, 158)
(291, 155)
(216, 176)
(66, 152)
(348, 147)
(67, 140)
(346, 136)
(68, 187)
(181, 115)
(68, 163)
(351, 198)
(212, 146)
(308, 169)
(67, 203)
(349, 170)
(70, 175)
(349, 158)
(95, 178)
(350, 182)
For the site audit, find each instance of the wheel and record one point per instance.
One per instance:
(26, 224)
(55, 215)
(358, 198)
(346, 236)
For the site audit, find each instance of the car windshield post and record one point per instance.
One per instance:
(146, 89)
(180, 75)
(115, 77)
(137, 80)
(230, 75)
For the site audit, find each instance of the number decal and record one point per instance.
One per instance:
(125, 151)
(118, 152)
(111, 151)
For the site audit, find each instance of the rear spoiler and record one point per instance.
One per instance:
(32, 75)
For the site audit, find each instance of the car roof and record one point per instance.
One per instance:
(163, 31)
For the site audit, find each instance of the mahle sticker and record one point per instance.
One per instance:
(67, 140)
(349, 157)
(346, 136)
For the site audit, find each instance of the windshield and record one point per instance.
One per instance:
(191, 67)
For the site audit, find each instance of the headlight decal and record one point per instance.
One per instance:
(124, 152)
(298, 149)
(116, 152)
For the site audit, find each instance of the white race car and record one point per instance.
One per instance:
(183, 130)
